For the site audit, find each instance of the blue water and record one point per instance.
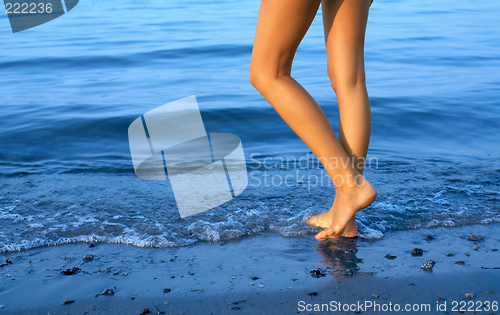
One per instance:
(71, 87)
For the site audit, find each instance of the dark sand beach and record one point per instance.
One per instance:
(263, 274)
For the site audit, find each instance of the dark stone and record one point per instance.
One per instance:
(428, 265)
(390, 257)
(255, 278)
(349, 273)
(68, 302)
(145, 311)
(236, 308)
(460, 262)
(108, 292)
(416, 252)
(70, 271)
(91, 245)
(166, 290)
(7, 261)
(313, 293)
(317, 273)
(429, 238)
(474, 238)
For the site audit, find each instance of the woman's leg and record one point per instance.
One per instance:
(344, 22)
(281, 26)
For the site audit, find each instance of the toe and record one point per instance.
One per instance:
(328, 233)
(313, 221)
(324, 235)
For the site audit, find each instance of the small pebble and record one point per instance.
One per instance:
(460, 262)
(88, 258)
(374, 296)
(429, 238)
(108, 292)
(317, 273)
(469, 295)
(145, 311)
(390, 257)
(2, 306)
(260, 285)
(428, 265)
(474, 238)
(166, 290)
(313, 293)
(289, 288)
(475, 247)
(416, 252)
(349, 273)
(68, 302)
(467, 254)
(7, 262)
(252, 283)
(255, 278)
(91, 245)
(70, 271)
(450, 255)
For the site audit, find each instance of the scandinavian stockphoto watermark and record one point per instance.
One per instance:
(373, 306)
(204, 170)
(25, 14)
(306, 170)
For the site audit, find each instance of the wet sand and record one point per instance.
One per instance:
(262, 274)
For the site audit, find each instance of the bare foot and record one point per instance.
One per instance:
(347, 202)
(324, 221)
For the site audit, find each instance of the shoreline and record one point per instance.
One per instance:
(270, 273)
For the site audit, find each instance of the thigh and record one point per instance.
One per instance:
(281, 25)
(344, 22)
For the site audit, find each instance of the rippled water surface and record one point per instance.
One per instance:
(71, 87)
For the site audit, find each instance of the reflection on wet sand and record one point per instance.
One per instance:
(340, 256)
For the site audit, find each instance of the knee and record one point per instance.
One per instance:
(259, 78)
(346, 81)
(264, 76)
(255, 77)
